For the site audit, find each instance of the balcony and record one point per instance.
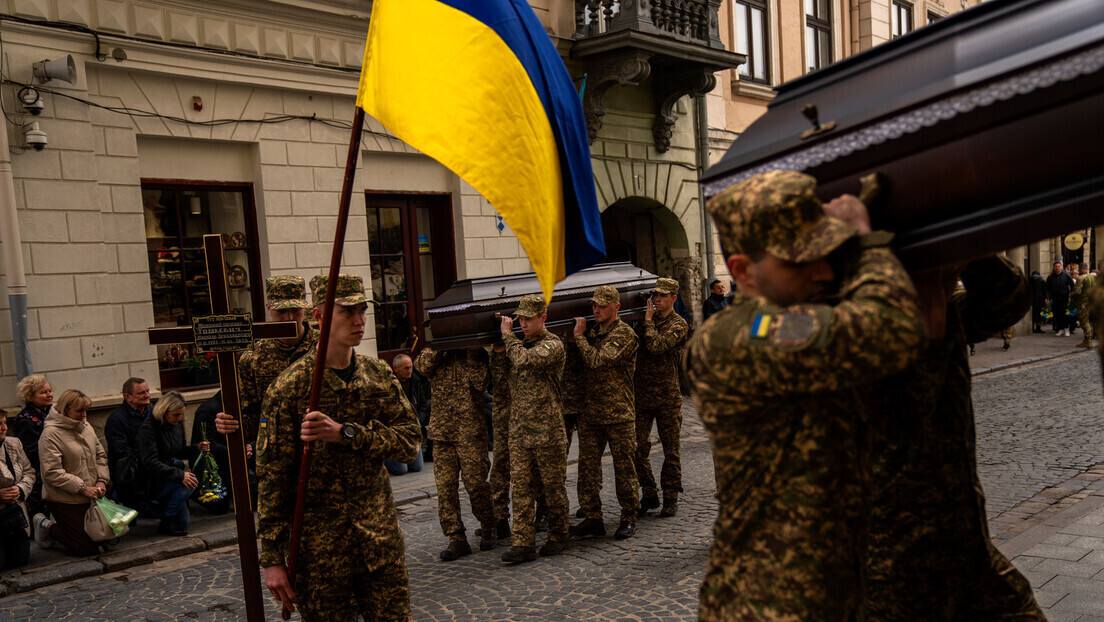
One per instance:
(675, 42)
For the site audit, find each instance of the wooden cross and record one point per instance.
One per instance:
(226, 334)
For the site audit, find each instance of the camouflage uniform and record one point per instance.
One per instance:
(572, 389)
(1081, 298)
(930, 557)
(259, 366)
(458, 429)
(1095, 307)
(500, 465)
(351, 556)
(609, 357)
(538, 446)
(658, 397)
(783, 394)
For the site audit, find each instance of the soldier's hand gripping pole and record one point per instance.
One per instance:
(323, 344)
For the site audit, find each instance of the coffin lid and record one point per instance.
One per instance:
(976, 46)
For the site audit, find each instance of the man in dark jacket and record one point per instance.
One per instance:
(1038, 301)
(121, 432)
(416, 388)
(1058, 286)
(716, 300)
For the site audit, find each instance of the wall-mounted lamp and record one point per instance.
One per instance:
(64, 69)
(196, 206)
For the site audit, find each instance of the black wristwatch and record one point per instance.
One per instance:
(348, 432)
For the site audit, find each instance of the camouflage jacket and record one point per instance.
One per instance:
(609, 360)
(573, 384)
(349, 487)
(1095, 305)
(533, 368)
(258, 367)
(458, 379)
(783, 394)
(658, 360)
(928, 511)
(1081, 289)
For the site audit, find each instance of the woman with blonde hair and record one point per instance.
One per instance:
(37, 396)
(162, 451)
(74, 473)
(16, 481)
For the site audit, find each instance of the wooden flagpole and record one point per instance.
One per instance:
(323, 343)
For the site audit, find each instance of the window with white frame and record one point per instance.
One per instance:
(901, 18)
(752, 39)
(818, 34)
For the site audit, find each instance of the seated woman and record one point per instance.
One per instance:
(38, 396)
(74, 472)
(162, 451)
(17, 478)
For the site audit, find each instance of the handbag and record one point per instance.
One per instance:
(95, 525)
(12, 518)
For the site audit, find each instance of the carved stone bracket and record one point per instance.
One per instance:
(668, 87)
(631, 67)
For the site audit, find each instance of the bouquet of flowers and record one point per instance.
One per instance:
(210, 483)
(1071, 310)
(1046, 312)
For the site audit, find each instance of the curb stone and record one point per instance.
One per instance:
(56, 574)
(1034, 359)
(129, 558)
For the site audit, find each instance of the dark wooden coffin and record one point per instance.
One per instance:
(468, 313)
(987, 126)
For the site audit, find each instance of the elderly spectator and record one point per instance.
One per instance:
(74, 472)
(121, 433)
(716, 300)
(416, 388)
(37, 395)
(17, 478)
(162, 450)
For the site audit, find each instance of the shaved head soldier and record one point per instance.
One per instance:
(780, 378)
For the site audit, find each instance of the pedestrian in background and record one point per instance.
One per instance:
(1038, 301)
(130, 482)
(782, 380)
(37, 396)
(1080, 298)
(74, 473)
(716, 300)
(416, 389)
(162, 451)
(929, 555)
(17, 479)
(1059, 285)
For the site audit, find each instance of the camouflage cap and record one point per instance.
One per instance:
(531, 306)
(666, 286)
(286, 292)
(350, 290)
(315, 280)
(778, 213)
(605, 295)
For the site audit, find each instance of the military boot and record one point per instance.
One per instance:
(647, 502)
(519, 554)
(625, 530)
(541, 523)
(1085, 343)
(488, 539)
(670, 507)
(589, 527)
(580, 513)
(456, 549)
(553, 547)
(504, 530)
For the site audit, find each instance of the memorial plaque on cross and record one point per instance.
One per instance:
(225, 334)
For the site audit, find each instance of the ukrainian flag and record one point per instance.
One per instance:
(478, 86)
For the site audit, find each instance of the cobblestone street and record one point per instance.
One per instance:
(1038, 427)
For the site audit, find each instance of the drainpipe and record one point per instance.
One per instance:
(12, 258)
(701, 113)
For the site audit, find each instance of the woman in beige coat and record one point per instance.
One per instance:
(17, 479)
(74, 472)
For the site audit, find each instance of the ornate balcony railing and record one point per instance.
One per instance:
(687, 20)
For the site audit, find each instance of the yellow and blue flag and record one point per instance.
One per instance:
(478, 86)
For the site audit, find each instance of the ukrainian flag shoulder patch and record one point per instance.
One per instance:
(547, 346)
(264, 423)
(617, 343)
(760, 326)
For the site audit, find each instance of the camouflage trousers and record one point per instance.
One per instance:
(333, 583)
(539, 472)
(1086, 326)
(468, 460)
(669, 423)
(621, 438)
(500, 465)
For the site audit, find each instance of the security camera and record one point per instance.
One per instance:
(35, 108)
(35, 137)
